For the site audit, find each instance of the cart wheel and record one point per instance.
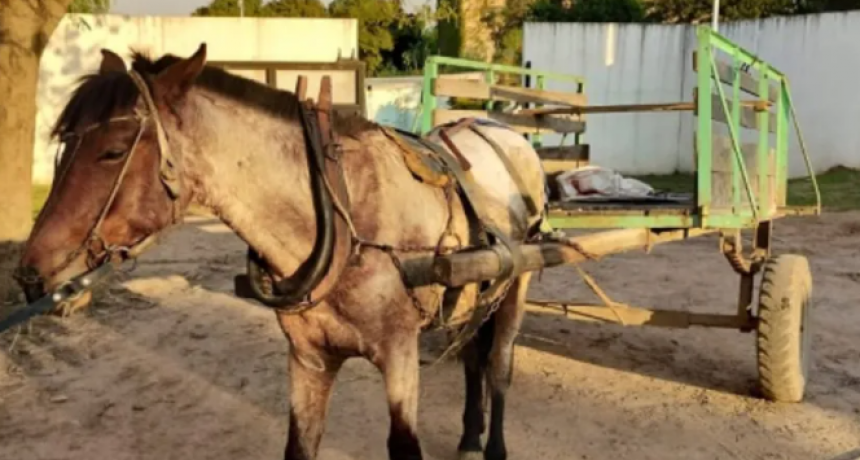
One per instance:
(783, 337)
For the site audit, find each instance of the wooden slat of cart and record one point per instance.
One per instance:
(748, 83)
(563, 158)
(749, 112)
(525, 124)
(622, 108)
(472, 89)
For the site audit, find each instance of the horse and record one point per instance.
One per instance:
(141, 144)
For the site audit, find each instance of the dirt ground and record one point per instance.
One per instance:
(168, 365)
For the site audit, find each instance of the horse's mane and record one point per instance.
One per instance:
(98, 96)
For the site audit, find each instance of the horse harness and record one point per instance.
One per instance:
(338, 244)
(318, 276)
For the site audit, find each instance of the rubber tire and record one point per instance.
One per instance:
(783, 336)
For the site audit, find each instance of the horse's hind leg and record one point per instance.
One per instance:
(400, 366)
(506, 325)
(474, 356)
(311, 378)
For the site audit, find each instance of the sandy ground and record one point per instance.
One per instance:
(167, 365)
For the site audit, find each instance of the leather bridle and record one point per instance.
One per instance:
(98, 249)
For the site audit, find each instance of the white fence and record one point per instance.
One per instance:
(73, 51)
(639, 63)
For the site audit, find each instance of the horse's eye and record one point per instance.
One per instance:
(112, 155)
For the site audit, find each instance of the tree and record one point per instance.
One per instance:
(821, 6)
(230, 8)
(90, 6)
(25, 27)
(375, 18)
(591, 10)
(414, 40)
(295, 9)
(506, 30)
(697, 11)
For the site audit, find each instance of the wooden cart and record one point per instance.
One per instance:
(740, 189)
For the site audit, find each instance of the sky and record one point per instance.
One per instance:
(156, 7)
(178, 7)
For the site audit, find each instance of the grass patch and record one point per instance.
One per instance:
(674, 183)
(840, 188)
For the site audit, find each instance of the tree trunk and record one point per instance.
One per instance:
(25, 27)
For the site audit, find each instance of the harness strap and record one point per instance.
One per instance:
(167, 169)
(512, 171)
(504, 246)
(317, 276)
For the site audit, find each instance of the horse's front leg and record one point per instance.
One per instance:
(312, 375)
(400, 366)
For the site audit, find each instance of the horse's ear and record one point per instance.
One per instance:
(111, 62)
(174, 81)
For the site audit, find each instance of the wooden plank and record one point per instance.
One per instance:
(749, 116)
(748, 83)
(473, 89)
(722, 167)
(346, 109)
(564, 158)
(565, 152)
(636, 316)
(622, 108)
(460, 76)
(523, 124)
(462, 268)
(723, 162)
(749, 112)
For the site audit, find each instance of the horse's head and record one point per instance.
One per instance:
(118, 179)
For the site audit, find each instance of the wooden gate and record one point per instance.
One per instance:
(347, 78)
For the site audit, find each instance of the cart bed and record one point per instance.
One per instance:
(675, 203)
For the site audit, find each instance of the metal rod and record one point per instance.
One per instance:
(715, 16)
(800, 140)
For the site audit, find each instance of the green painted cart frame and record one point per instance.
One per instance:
(740, 186)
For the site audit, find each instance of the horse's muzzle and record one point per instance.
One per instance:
(31, 283)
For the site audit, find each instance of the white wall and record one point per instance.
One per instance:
(638, 63)
(74, 50)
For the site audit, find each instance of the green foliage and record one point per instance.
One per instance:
(590, 10)
(295, 9)
(90, 6)
(820, 6)
(230, 8)
(375, 20)
(414, 40)
(681, 11)
(506, 30)
(448, 30)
